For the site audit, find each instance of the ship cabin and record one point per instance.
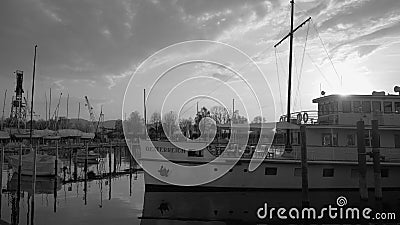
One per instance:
(332, 132)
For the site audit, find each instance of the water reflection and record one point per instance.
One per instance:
(194, 207)
(78, 196)
(112, 193)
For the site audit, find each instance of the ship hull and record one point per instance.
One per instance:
(345, 176)
(271, 174)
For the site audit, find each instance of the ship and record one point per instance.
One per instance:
(348, 140)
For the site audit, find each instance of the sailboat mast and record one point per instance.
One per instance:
(45, 112)
(49, 125)
(290, 61)
(33, 91)
(4, 105)
(79, 110)
(290, 72)
(290, 36)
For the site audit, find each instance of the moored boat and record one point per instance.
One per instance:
(331, 148)
(45, 164)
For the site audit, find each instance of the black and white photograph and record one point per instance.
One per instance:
(199, 112)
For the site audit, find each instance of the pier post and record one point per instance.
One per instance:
(1, 175)
(33, 184)
(86, 170)
(376, 159)
(362, 162)
(19, 172)
(110, 173)
(115, 160)
(304, 167)
(75, 165)
(56, 161)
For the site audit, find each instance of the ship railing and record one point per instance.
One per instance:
(261, 152)
(341, 153)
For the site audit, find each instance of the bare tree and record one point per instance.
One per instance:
(155, 118)
(259, 119)
(134, 125)
(238, 119)
(169, 123)
(220, 114)
(186, 126)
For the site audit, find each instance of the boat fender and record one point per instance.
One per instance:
(305, 117)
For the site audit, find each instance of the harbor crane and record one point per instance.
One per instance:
(93, 116)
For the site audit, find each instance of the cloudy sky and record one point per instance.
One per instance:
(93, 47)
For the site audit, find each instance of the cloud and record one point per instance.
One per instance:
(91, 47)
(365, 50)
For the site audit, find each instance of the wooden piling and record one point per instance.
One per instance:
(115, 160)
(362, 162)
(304, 167)
(76, 166)
(110, 173)
(1, 176)
(19, 172)
(33, 184)
(376, 159)
(86, 170)
(56, 161)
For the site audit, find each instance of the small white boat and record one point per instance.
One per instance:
(45, 164)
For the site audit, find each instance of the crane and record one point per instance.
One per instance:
(101, 120)
(91, 113)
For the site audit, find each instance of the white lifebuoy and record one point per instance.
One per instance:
(281, 119)
(305, 117)
(299, 118)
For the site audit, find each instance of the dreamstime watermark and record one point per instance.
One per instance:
(178, 77)
(338, 212)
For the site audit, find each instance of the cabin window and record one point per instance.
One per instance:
(397, 140)
(387, 107)
(385, 172)
(195, 153)
(368, 139)
(334, 140)
(329, 139)
(376, 106)
(271, 170)
(297, 172)
(346, 105)
(328, 172)
(326, 140)
(356, 106)
(397, 107)
(351, 140)
(366, 106)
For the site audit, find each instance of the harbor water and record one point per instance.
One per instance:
(119, 197)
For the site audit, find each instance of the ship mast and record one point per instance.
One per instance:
(290, 35)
